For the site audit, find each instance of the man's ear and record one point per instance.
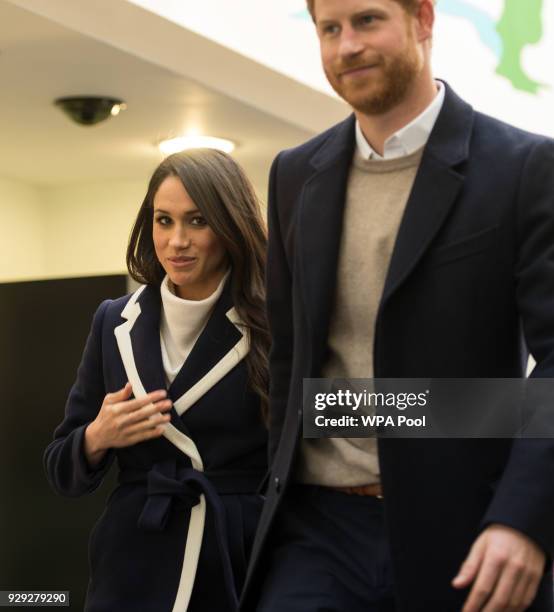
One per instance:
(425, 20)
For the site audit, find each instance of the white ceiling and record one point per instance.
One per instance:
(41, 60)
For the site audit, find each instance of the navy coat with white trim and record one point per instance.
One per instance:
(185, 509)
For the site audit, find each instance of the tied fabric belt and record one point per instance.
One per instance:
(166, 482)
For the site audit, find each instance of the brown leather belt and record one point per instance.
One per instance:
(370, 490)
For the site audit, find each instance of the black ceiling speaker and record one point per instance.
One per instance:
(89, 110)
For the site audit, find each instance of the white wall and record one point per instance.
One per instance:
(21, 231)
(87, 226)
(65, 231)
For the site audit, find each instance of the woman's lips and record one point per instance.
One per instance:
(181, 262)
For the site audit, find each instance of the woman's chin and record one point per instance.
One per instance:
(180, 281)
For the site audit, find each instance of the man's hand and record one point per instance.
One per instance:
(505, 566)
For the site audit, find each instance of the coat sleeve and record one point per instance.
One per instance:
(66, 466)
(279, 310)
(524, 498)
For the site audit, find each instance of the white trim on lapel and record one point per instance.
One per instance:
(220, 369)
(186, 445)
(122, 332)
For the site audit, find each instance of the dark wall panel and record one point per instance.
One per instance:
(43, 537)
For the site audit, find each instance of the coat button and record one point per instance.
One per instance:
(277, 484)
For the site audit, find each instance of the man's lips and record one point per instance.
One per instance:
(357, 70)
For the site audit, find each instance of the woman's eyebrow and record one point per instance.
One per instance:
(193, 211)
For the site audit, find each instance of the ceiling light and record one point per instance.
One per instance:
(195, 141)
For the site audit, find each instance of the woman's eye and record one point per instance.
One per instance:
(198, 220)
(162, 220)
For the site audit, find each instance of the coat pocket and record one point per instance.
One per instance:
(465, 247)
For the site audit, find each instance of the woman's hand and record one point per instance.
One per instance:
(123, 422)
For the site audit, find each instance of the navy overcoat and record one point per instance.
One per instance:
(177, 530)
(469, 289)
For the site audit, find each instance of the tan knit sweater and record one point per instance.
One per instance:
(376, 197)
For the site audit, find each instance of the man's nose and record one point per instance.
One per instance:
(351, 42)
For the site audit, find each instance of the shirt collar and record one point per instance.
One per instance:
(407, 139)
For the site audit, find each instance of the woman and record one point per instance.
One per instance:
(172, 384)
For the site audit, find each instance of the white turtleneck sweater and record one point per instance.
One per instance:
(181, 323)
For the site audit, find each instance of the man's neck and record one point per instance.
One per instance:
(377, 128)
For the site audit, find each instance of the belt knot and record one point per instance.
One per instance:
(163, 486)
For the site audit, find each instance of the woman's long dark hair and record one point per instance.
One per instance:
(223, 194)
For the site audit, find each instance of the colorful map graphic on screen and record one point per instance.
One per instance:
(519, 25)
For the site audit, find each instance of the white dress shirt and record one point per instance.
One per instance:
(408, 139)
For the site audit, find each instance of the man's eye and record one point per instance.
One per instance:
(367, 19)
(329, 29)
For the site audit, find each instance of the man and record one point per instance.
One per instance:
(414, 239)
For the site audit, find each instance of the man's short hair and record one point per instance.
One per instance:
(410, 6)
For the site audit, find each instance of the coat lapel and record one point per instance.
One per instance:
(138, 340)
(320, 229)
(145, 338)
(220, 347)
(436, 187)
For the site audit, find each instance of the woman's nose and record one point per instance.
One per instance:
(180, 239)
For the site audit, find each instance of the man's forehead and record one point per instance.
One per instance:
(332, 9)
